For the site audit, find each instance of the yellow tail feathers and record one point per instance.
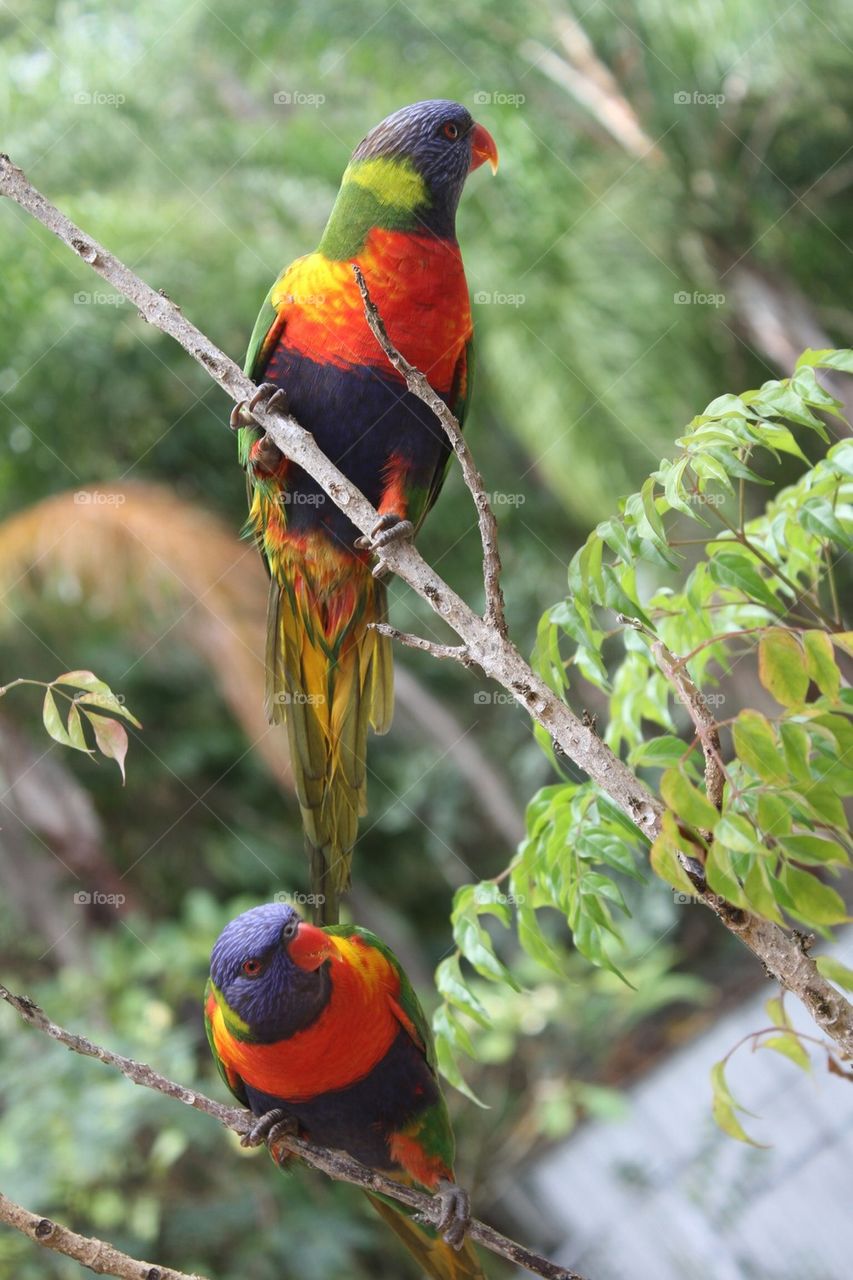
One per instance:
(329, 678)
(438, 1260)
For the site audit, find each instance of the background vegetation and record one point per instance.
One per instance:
(627, 265)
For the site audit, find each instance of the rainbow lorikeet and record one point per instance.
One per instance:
(328, 674)
(319, 1030)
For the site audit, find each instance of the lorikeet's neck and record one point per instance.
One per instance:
(383, 192)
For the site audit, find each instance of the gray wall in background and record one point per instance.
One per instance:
(664, 1195)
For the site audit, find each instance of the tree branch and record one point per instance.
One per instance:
(705, 724)
(336, 1164)
(420, 387)
(485, 644)
(97, 1255)
(457, 652)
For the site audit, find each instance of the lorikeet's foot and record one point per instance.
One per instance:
(268, 1128)
(455, 1213)
(267, 394)
(388, 528)
(265, 456)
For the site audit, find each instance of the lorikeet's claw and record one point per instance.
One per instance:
(271, 1126)
(455, 1213)
(268, 394)
(388, 528)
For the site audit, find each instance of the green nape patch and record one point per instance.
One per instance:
(380, 192)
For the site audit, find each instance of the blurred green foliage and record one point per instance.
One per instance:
(158, 129)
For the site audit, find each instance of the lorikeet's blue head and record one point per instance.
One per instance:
(408, 173)
(270, 969)
(439, 137)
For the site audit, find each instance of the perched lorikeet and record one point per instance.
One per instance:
(328, 675)
(320, 1030)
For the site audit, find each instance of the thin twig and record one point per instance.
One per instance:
(457, 652)
(486, 646)
(420, 387)
(696, 707)
(102, 1258)
(336, 1164)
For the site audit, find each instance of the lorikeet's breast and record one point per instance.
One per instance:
(340, 385)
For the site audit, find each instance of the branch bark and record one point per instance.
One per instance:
(335, 1164)
(484, 644)
(102, 1258)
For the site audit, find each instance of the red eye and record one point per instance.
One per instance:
(252, 968)
(450, 130)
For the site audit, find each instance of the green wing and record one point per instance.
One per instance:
(233, 1081)
(460, 399)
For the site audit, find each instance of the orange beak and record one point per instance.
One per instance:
(310, 948)
(482, 149)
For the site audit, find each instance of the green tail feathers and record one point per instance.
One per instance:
(437, 1259)
(329, 678)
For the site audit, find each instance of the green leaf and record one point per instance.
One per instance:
(730, 569)
(111, 738)
(52, 722)
(816, 515)
(75, 731)
(812, 901)
(835, 971)
(782, 667)
(688, 801)
(736, 833)
(451, 985)
(725, 1108)
(755, 744)
(660, 753)
(476, 946)
(814, 850)
(664, 856)
(82, 680)
(445, 1043)
(107, 701)
(820, 663)
(790, 1046)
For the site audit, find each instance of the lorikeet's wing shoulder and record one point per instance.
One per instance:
(233, 1081)
(271, 320)
(404, 1003)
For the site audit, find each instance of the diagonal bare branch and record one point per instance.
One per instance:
(335, 1164)
(483, 644)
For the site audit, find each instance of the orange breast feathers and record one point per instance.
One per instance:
(418, 285)
(352, 1034)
